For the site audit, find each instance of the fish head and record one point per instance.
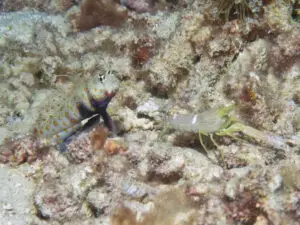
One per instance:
(103, 87)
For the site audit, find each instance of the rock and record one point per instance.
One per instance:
(15, 197)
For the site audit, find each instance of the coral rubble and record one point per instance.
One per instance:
(171, 57)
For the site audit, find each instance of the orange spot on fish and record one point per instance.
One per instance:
(37, 131)
(73, 121)
(55, 123)
(67, 114)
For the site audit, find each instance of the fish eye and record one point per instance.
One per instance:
(101, 77)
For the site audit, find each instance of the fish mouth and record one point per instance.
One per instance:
(109, 94)
(101, 103)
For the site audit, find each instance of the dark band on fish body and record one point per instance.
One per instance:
(99, 108)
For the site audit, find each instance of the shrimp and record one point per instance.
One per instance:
(220, 121)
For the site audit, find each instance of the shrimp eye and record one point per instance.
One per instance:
(101, 77)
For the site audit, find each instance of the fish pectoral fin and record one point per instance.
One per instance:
(89, 122)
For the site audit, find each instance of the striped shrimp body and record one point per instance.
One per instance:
(64, 114)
